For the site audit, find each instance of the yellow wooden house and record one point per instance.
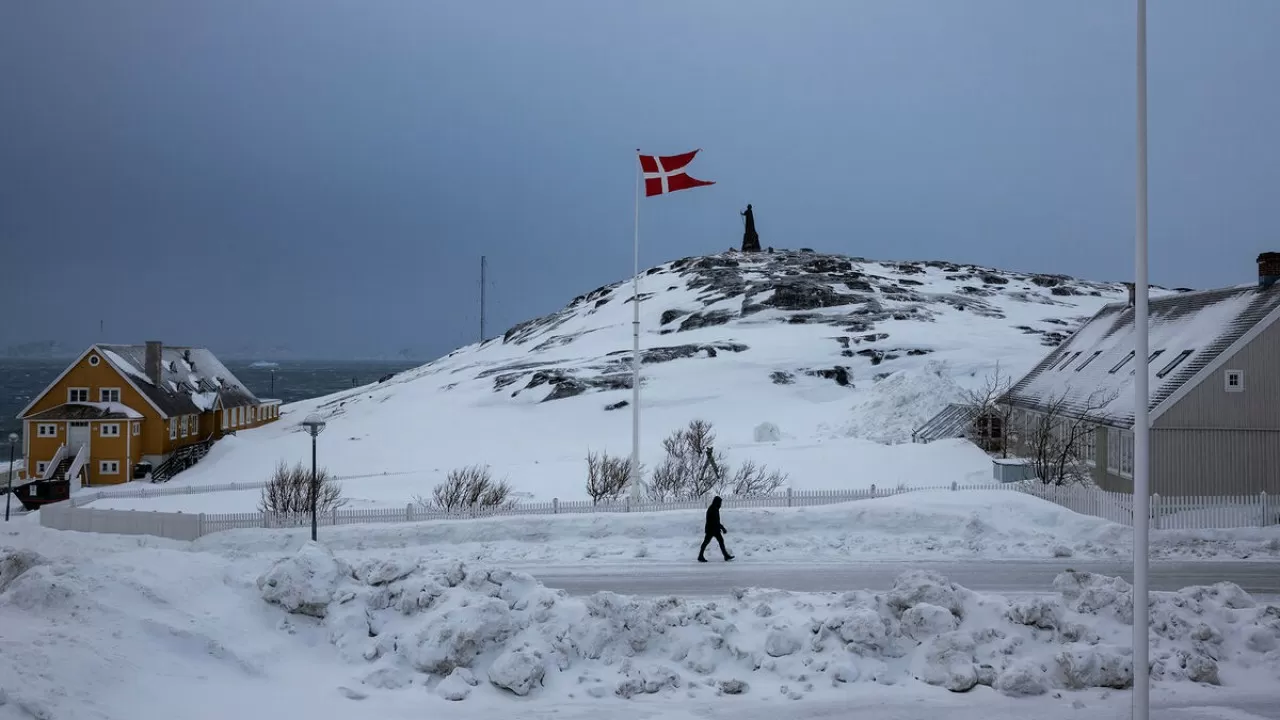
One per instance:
(120, 406)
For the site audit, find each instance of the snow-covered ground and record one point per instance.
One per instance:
(102, 627)
(844, 356)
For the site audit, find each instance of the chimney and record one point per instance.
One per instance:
(1133, 292)
(1268, 269)
(153, 361)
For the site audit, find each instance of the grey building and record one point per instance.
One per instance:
(1214, 402)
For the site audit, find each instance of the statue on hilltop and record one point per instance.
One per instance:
(750, 240)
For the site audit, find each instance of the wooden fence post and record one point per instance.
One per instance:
(1266, 516)
(555, 506)
(408, 512)
(789, 496)
(1155, 511)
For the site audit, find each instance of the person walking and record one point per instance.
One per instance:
(714, 531)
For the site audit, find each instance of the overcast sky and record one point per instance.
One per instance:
(325, 175)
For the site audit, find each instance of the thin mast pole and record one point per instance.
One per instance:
(635, 352)
(1141, 401)
(482, 289)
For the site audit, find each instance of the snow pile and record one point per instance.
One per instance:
(451, 627)
(896, 405)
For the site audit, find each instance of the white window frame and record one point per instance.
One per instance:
(41, 466)
(1090, 451)
(1113, 450)
(1126, 454)
(173, 428)
(226, 419)
(75, 393)
(1233, 381)
(136, 427)
(239, 417)
(108, 467)
(182, 426)
(109, 430)
(47, 430)
(195, 424)
(109, 394)
(93, 361)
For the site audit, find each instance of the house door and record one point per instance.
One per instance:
(77, 435)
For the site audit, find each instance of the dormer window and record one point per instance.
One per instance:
(1174, 363)
(1089, 359)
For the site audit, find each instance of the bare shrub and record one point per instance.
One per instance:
(607, 476)
(752, 480)
(990, 423)
(289, 492)
(1057, 438)
(692, 468)
(468, 488)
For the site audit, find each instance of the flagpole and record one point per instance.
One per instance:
(1141, 417)
(635, 352)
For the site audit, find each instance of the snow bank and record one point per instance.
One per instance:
(447, 626)
(895, 406)
(970, 524)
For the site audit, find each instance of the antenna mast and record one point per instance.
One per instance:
(483, 265)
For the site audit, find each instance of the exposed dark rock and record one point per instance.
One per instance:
(909, 269)
(669, 315)
(909, 281)
(386, 377)
(1046, 280)
(803, 319)
(806, 294)
(618, 405)
(872, 354)
(880, 376)
(994, 280)
(677, 352)
(839, 373)
(859, 285)
(701, 320)
(873, 337)
(919, 351)
(781, 378)
(828, 264)
(1062, 290)
(846, 353)
(643, 297)
(843, 340)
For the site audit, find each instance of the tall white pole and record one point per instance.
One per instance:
(1141, 400)
(635, 355)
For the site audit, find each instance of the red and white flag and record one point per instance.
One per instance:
(666, 174)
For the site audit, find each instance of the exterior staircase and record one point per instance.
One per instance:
(59, 472)
(181, 459)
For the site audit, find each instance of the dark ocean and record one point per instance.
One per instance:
(21, 380)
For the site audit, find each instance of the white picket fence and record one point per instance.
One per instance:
(152, 491)
(1167, 513)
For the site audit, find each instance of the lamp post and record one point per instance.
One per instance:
(314, 425)
(13, 440)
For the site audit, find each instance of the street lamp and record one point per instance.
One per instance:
(314, 425)
(13, 440)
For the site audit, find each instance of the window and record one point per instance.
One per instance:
(173, 428)
(1174, 363)
(1126, 453)
(183, 426)
(109, 430)
(1122, 363)
(1089, 445)
(239, 416)
(195, 424)
(41, 467)
(1089, 359)
(109, 395)
(93, 360)
(226, 419)
(46, 430)
(109, 467)
(1234, 380)
(137, 428)
(77, 395)
(1113, 450)
(1070, 358)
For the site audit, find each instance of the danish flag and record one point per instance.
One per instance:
(665, 173)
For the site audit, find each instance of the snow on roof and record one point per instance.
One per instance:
(1093, 370)
(192, 380)
(89, 411)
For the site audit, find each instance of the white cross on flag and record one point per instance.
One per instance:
(665, 173)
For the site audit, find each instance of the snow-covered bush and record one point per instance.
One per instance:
(607, 476)
(692, 468)
(449, 627)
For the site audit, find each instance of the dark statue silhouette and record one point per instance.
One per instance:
(750, 240)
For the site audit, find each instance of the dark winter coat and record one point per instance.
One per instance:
(713, 518)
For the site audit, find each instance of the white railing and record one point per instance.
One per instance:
(53, 464)
(1168, 513)
(73, 472)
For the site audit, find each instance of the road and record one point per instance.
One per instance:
(1009, 577)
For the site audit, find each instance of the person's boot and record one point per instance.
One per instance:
(701, 559)
(727, 557)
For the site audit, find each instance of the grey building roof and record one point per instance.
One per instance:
(1186, 332)
(192, 380)
(88, 411)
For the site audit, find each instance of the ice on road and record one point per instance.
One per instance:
(717, 578)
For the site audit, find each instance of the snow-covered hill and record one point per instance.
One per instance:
(839, 353)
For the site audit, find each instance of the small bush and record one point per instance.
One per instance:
(607, 476)
(692, 468)
(468, 488)
(289, 492)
